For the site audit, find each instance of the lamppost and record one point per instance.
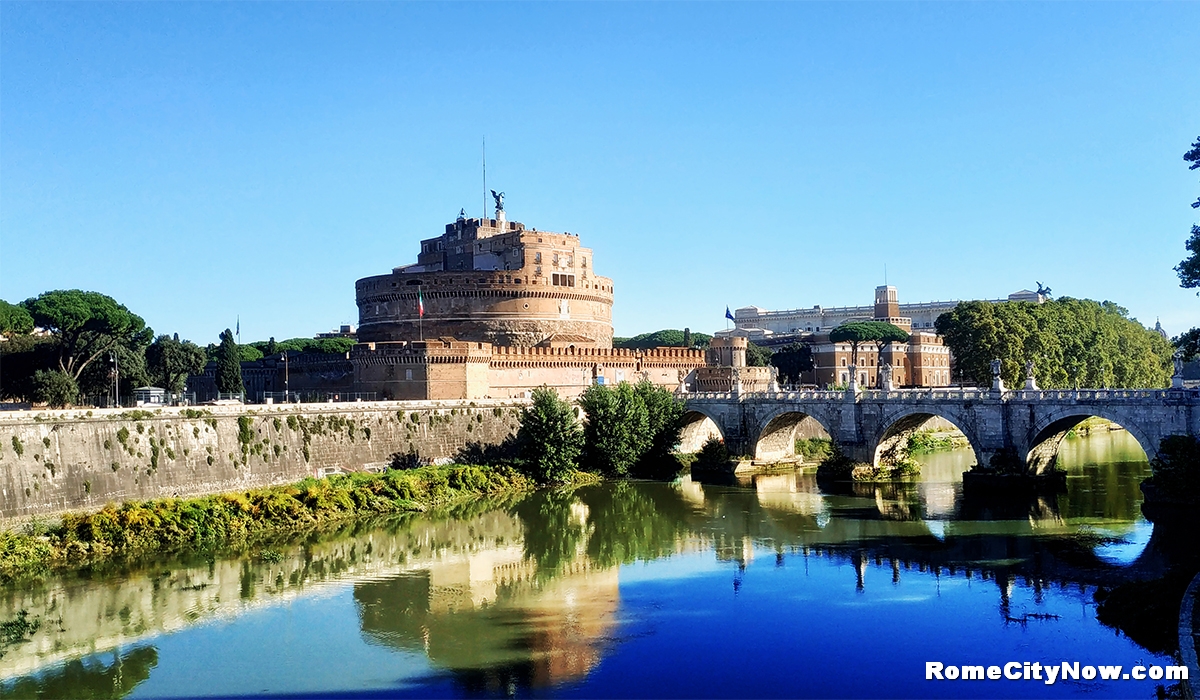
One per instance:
(287, 397)
(116, 373)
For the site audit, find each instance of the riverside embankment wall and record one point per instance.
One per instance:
(55, 461)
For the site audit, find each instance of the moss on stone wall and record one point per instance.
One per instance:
(140, 527)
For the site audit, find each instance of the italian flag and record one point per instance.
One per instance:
(420, 304)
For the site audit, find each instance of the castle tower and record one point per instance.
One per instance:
(491, 281)
(887, 307)
(887, 302)
(729, 351)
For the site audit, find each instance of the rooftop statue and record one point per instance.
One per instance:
(499, 197)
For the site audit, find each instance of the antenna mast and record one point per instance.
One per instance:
(483, 215)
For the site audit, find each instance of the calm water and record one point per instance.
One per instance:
(766, 586)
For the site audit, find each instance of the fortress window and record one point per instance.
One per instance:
(537, 257)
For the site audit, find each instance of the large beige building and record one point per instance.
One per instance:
(923, 361)
(492, 309)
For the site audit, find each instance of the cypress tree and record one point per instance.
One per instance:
(229, 365)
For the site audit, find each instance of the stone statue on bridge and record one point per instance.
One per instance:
(885, 377)
(997, 382)
(1177, 377)
(1030, 381)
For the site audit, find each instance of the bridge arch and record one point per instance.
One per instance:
(1049, 430)
(776, 438)
(698, 427)
(896, 427)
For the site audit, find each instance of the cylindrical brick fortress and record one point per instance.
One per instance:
(491, 281)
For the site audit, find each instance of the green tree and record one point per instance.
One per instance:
(888, 333)
(858, 332)
(757, 356)
(549, 439)
(86, 324)
(96, 380)
(665, 338)
(617, 431)
(791, 361)
(664, 415)
(21, 356)
(687, 337)
(1073, 342)
(271, 348)
(14, 320)
(229, 365)
(1189, 268)
(1188, 344)
(170, 360)
(56, 388)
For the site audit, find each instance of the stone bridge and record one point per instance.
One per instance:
(1001, 426)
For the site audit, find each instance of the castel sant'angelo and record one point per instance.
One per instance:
(492, 309)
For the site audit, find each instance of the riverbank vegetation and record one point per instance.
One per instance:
(837, 466)
(924, 441)
(630, 430)
(813, 449)
(144, 527)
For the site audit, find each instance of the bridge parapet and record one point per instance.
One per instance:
(949, 394)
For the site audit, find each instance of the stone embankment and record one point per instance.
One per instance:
(56, 461)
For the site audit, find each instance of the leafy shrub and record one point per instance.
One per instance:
(57, 389)
(713, 455)
(549, 439)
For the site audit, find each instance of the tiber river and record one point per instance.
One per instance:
(763, 586)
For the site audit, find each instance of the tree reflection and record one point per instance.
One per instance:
(634, 522)
(555, 524)
(87, 679)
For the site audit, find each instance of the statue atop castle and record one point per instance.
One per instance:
(499, 197)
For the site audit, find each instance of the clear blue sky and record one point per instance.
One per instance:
(203, 161)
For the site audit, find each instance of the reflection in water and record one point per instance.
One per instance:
(530, 592)
(88, 678)
(533, 633)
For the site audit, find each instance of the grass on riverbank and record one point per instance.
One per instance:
(141, 527)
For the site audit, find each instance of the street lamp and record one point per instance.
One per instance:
(116, 373)
(286, 394)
